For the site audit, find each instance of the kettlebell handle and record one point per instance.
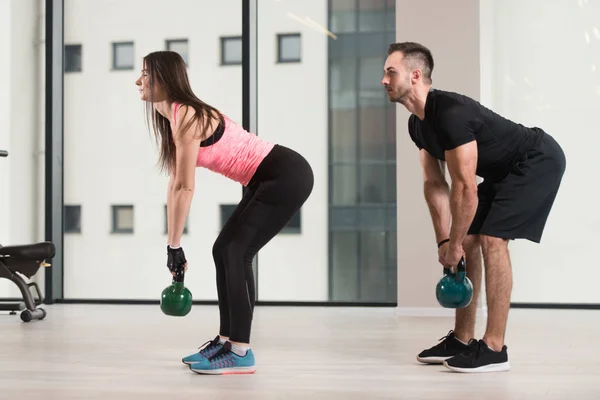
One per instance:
(461, 267)
(179, 274)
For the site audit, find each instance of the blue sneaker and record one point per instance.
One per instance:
(225, 362)
(206, 350)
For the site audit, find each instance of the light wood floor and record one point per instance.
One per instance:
(133, 352)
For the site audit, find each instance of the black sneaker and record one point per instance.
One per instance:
(448, 347)
(479, 358)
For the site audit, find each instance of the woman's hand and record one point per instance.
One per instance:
(176, 261)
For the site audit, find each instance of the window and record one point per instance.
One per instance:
(122, 219)
(226, 211)
(73, 58)
(343, 82)
(342, 16)
(372, 15)
(288, 47)
(185, 227)
(123, 57)
(293, 225)
(72, 222)
(369, 76)
(179, 46)
(362, 220)
(231, 50)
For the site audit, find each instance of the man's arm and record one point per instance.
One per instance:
(462, 165)
(437, 195)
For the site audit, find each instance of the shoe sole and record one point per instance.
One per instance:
(226, 371)
(502, 367)
(432, 360)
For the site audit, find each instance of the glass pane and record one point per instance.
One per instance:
(371, 5)
(181, 47)
(391, 262)
(343, 136)
(113, 160)
(372, 181)
(343, 83)
(343, 16)
(371, 15)
(390, 132)
(392, 248)
(343, 5)
(73, 58)
(374, 280)
(22, 127)
(390, 188)
(72, 219)
(124, 218)
(390, 20)
(371, 90)
(232, 52)
(372, 134)
(290, 48)
(124, 55)
(337, 119)
(344, 181)
(371, 73)
(345, 277)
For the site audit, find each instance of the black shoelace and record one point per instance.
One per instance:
(447, 336)
(209, 343)
(222, 353)
(475, 347)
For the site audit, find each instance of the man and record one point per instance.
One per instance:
(521, 169)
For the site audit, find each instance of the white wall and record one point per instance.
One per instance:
(110, 157)
(25, 117)
(19, 119)
(548, 75)
(292, 111)
(5, 111)
(418, 267)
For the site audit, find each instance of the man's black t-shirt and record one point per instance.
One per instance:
(452, 119)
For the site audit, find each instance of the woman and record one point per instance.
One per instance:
(194, 134)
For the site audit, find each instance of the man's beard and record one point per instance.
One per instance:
(401, 96)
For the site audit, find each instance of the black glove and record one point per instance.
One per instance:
(176, 262)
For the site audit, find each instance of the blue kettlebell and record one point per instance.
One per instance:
(455, 290)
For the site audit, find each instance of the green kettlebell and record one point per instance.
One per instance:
(455, 290)
(176, 299)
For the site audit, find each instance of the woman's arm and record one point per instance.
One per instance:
(182, 182)
(170, 206)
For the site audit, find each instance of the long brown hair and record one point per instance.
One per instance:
(168, 69)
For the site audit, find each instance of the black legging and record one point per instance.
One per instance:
(280, 186)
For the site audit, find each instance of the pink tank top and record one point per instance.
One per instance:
(236, 155)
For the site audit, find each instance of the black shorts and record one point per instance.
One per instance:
(518, 206)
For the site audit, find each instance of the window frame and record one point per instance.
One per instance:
(280, 37)
(115, 45)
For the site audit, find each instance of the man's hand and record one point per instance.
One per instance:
(449, 256)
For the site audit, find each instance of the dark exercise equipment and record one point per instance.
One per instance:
(25, 260)
(455, 290)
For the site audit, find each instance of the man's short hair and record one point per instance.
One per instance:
(418, 55)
